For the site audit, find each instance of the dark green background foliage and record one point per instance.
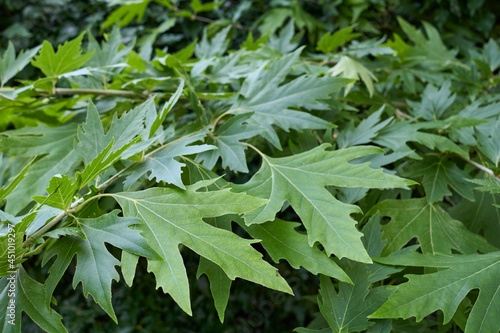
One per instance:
(248, 125)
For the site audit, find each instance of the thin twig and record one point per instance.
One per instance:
(480, 167)
(99, 92)
(82, 91)
(450, 200)
(400, 105)
(96, 92)
(49, 225)
(401, 114)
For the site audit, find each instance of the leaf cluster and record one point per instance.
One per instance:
(369, 166)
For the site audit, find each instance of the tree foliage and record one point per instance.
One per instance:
(240, 140)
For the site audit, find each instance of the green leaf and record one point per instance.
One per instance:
(435, 229)
(109, 52)
(430, 49)
(301, 180)
(439, 174)
(487, 113)
(364, 132)
(60, 156)
(62, 188)
(286, 41)
(67, 58)
(196, 172)
(41, 216)
(165, 166)
(491, 54)
(220, 283)
(28, 297)
(434, 102)
(176, 65)
(396, 136)
(177, 216)
(347, 310)
(489, 184)
(445, 289)
(10, 65)
(11, 245)
(482, 216)
(198, 7)
(330, 42)
(352, 69)
(95, 265)
(124, 14)
(488, 139)
(92, 140)
(166, 108)
(227, 140)
(281, 241)
(271, 103)
(215, 47)
(6, 190)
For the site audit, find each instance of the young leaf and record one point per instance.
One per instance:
(330, 42)
(108, 53)
(10, 65)
(445, 289)
(352, 69)
(177, 215)
(301, 180)
(197, 6)
(124, 14)
(67, 58)
(95, 265)
(29, 297)
(435, 229)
